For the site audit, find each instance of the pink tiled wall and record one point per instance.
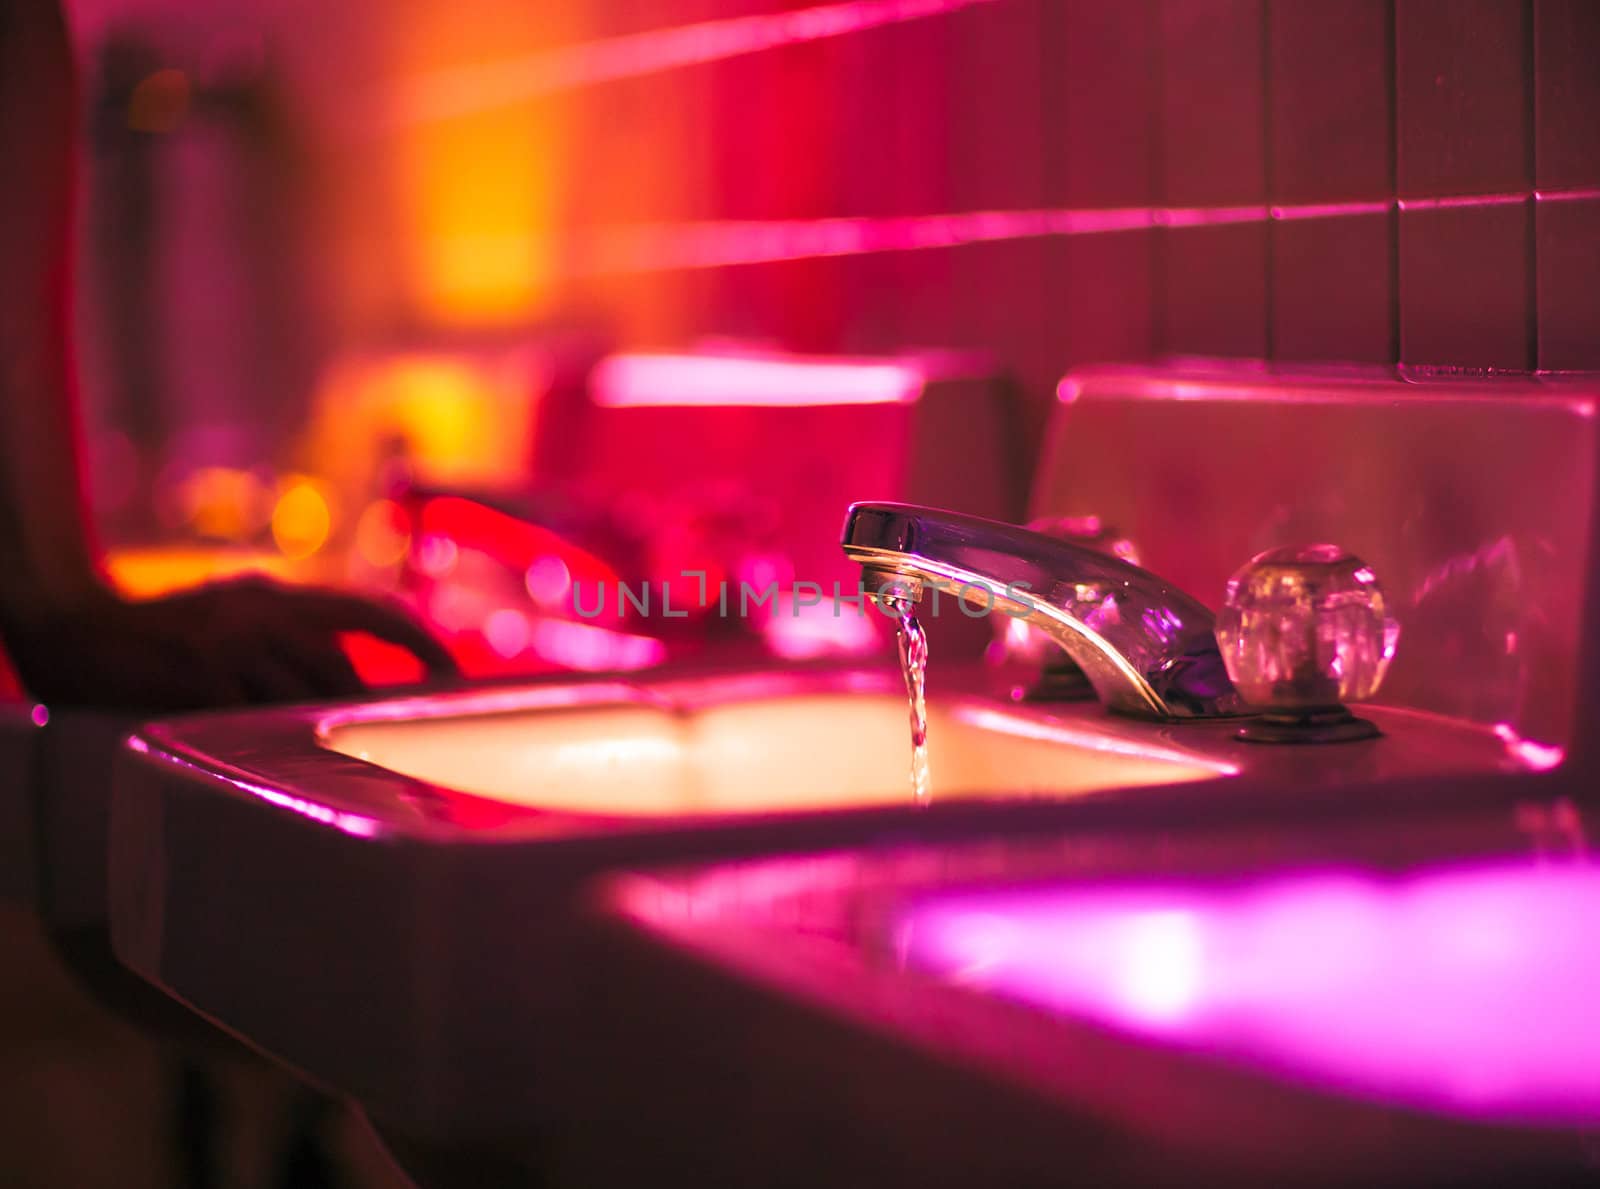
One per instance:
(1424, 160)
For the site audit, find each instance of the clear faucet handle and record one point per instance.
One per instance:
(1303, 630)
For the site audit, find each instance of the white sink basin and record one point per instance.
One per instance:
(792, 750)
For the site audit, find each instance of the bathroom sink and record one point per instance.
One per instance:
(718, 752)
(391, 896)
(396, 896)
(1400, 1000)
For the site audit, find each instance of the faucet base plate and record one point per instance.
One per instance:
(1331, 725)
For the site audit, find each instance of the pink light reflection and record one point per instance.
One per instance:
(1002, 723)
(1454, 201)
(1541, 757)
(662, 381)
(1568, 194)
(487, 701)
(456, 92)
(1329, 210)
(590, 648)
(355, 824)
(1466, 991)
(1209, 216)
(798, 630)
(659, 247)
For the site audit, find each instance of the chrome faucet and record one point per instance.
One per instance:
(1147, 648)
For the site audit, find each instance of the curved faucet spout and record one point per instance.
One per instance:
(1147, 648)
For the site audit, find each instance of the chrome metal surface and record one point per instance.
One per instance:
(1030, 664)
(1471, 498)
(1148, 649)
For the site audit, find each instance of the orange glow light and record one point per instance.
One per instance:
(301, 520)
(479, 195)
(151, 573)
(461, 419)
(223, 503)
(383, 534)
